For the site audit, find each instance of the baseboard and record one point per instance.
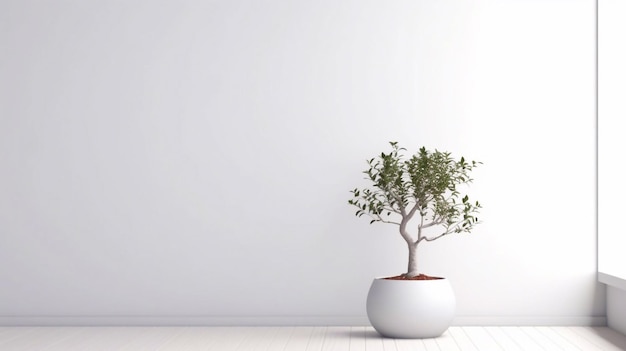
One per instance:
(594, 321)
(182, 320)
(283, 321)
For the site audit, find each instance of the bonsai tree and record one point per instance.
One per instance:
(421, 188)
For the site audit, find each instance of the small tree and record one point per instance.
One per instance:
(424, 185)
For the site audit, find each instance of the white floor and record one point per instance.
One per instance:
(304, 339)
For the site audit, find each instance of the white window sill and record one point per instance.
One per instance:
(612, 280)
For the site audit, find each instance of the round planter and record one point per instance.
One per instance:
(412, 309)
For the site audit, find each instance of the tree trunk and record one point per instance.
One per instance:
(412, 270)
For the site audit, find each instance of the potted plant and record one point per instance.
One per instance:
(419, 193)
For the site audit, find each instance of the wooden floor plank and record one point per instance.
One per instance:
(299, 339)
(461, 339)
(373, 340)
(264, 343)
(337, 339)
(523, 340)
(503, 339)
(316, 341)
(281, 338)
(230, 339)
(6, 331)
(410, 345)
(73, 332)
(13, 333)
(189, 339)
(481, 338)
(98, 338)
(545, 342)
(446, 342)
(41, 338)
(357, 338)
(611, 336)
(558, 339)
(431, 344)
(389, 344)
(305, 339)
(590, 334)
(148, 338)
(576, 339)
(257, 338)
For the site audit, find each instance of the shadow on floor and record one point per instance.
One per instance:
(347, 333)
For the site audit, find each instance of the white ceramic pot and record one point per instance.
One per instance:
(411, 308)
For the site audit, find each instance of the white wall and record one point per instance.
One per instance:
(611, 111)
(616, 308)
(189, 161)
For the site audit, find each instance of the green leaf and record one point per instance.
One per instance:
(428, 179)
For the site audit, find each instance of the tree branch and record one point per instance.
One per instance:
(420, 226)
(413, 210)
(403, 232)
(378, 218)
(399, 201)
(433, 223)
(436, 237)
(450, 230)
